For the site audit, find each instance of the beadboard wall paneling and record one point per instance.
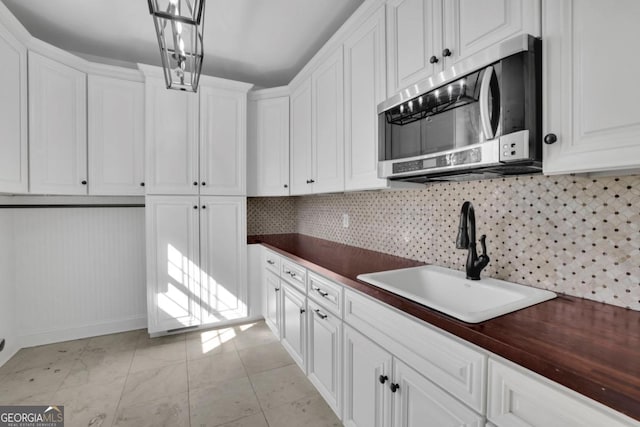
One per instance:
(7, 288)
(271, 215)
(79, 272)
(571, 234)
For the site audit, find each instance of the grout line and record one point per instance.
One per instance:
(115, 414)
(252, 387)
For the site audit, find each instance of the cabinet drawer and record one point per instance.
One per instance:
(294, 274)
(271, 261)
(518, 397)
(326, 293)
(444, 359)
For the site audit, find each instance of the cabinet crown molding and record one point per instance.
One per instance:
(275, 92)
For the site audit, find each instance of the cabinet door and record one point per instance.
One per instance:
(57, 127)
(518, 397)
(269, 173)
(116, 136)
(300, 125)
(294, 321)
(172, 262)
(597, 127)
(171, 160)
(324, 360)
(364, 65)
(414, 35)
(471, 26)
(223, 263)
(13, 115)
(420, 403)
(272, 301)
(328, 125)
(223, 142)
(367, 373)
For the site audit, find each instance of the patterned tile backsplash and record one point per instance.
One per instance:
(571, 234)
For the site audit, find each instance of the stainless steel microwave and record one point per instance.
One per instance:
(479, 119)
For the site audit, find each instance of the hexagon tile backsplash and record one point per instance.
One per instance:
(571, 234)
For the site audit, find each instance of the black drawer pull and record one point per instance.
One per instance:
(320, 314)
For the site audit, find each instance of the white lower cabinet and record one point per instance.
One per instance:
(376, 366)
(223, 265)
(377, 385)
(518, 397)
(294, 321)
(196, 261)
(324, 354)
(272, 301)
(367, 367)
(417, 402)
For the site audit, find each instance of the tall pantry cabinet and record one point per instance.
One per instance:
(195, 203)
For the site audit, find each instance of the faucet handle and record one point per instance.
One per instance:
(483, 243)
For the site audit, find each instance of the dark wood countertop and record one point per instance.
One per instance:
(590, 347)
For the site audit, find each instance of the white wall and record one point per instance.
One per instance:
(7, 287)
(79, 272)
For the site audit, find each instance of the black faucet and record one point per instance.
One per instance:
(467, 240)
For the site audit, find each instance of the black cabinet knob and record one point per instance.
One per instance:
(276, 289)
(195, 183)
(394, 387)
(446, 53)
(203, 183)
(142, 184)
(195, 206)
(383, 379)
(550, 138)
(84, 183)
(311, 181)
(302, 311)
(204, 206)
(433, 59)
(286, 186)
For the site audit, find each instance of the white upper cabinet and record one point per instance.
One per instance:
(116, 136)
(365, 74)
(414, 35)
(586, 55)
(223, 141)
(471, 26)
(301, 171)
(196, 143)
(57, 127)
(171, 140)
(268, 145)
(13, 115)
(317, 129)
(426, 36)
(328, 124)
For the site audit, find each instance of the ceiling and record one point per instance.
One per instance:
(265, 42)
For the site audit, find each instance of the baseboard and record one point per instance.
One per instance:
(8, 353)
(85, 331)
(224, 324)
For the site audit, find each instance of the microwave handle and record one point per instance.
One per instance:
(485, 87)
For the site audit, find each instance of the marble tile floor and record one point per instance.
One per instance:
(234, 377)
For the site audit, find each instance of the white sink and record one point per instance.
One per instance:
(450, 292)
